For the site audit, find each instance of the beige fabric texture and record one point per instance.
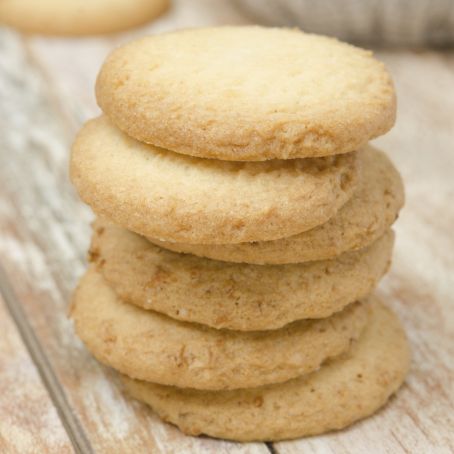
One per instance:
(169, 196)
(235, 296)
(76, 17)
(247, 93)
(152, 347)
(341, 392)
(363, 219)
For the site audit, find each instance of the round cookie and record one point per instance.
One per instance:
(152, 347)
(247, 93)
(234, 296)
(173, 197)
(365, 217)
(76, 17)
(343, 391)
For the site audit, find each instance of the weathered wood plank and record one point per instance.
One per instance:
(44, 236)
(29, 421)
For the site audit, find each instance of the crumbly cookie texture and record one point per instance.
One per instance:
(173, 197)
(343, 391)
(363, 219)
(234, 296)
(247, 93)
(153, 347)
(76, 17)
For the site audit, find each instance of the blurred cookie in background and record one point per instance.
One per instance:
(377, 22)
(78, 17)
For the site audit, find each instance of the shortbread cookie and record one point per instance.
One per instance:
(149, 346)
(247, 93)
(341, 392)
(365, 217)
(170, 196)
(77, 17)
(234, 296)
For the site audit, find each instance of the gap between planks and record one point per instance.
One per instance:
(68, 418)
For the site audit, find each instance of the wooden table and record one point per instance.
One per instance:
(54, 398)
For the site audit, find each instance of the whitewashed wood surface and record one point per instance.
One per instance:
(55, 398)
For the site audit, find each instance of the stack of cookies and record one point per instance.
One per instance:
(243, 222)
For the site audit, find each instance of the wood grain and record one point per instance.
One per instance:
(29, 421)
(46, 92)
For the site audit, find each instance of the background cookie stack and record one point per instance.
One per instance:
(76, 18)
(232, 292)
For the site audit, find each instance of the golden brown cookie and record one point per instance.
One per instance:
(343, 391)
(76, 17)
(170, 196)
(363, 219)
(247, 93)
(235, 296)
(149, 346)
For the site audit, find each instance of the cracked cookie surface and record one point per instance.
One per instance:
(234, 296)
(153, 347)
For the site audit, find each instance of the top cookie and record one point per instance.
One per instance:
(247, 93)
(76, 17)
